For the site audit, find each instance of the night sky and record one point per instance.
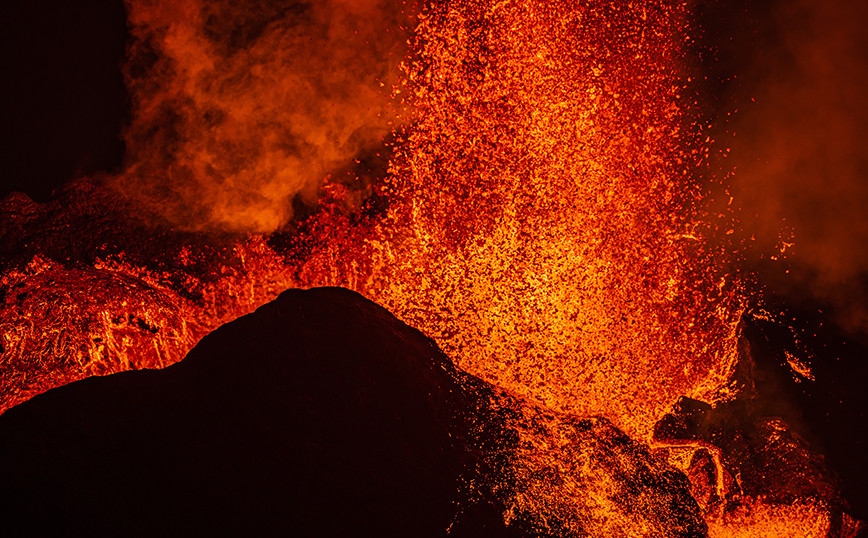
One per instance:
(62, 101)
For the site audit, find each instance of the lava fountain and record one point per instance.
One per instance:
(544, 214)
(545, 220)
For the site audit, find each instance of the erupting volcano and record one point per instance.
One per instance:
(534, 185)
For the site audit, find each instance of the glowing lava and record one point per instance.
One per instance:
(543, 225)
(544, 217)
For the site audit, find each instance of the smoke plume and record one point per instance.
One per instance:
(241, 105)
(801, 154)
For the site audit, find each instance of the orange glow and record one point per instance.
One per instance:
(546, 221)
(239, 108)
(543, 226)
(59, 325)
(758, 520)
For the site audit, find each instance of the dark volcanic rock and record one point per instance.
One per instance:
(318, 415)
(771, 461)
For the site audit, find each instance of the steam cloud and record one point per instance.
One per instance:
(801, 152)
(241, 105)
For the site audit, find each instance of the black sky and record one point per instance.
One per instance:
(62, 100)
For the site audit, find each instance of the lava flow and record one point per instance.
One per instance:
(543, 216)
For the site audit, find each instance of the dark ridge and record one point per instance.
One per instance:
(320, 414)
(85, 220)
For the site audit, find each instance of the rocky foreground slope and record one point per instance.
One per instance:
(322, 415)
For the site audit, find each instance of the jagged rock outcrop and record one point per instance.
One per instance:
(322, 415)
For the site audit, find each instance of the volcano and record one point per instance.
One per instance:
(551, 192)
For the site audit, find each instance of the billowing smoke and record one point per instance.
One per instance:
(239, 106)
(801, 154)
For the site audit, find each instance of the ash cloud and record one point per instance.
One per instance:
(241, 105)
(801, 153)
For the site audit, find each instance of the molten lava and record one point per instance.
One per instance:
(544, 213)
(544, 221)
